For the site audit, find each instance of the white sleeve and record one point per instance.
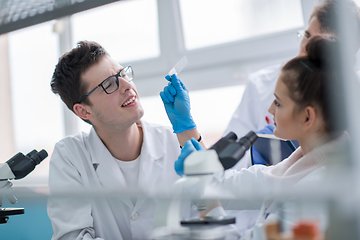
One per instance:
(69, 215)
(240, 185)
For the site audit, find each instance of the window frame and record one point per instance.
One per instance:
(199, 73)
(255, 52)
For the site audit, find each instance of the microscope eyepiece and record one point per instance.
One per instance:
(22, 165)
(231, 136)
(248, 140)
(230, 150)
(36, 156)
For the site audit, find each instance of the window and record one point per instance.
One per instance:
(203, 103)
(206, 23)
(37, 112)
(128, 30)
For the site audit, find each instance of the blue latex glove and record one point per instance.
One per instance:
(189, 147)
(176, 101)
(256, 156)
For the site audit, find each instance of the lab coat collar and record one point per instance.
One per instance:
(152, 142)
(151, 166)
(106, 168)
(109, 173)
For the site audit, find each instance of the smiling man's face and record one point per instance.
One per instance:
(121, 108)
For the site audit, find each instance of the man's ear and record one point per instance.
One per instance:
(310, 117)
(82, 111)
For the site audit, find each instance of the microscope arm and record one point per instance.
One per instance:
(5, 184)
(199, 169)
(5, 173)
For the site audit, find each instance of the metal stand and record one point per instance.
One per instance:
(6, 212)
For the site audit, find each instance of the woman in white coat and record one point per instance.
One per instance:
(250, 115)
(301, 112)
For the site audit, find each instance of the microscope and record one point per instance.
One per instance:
(200, 168)
(17, 167)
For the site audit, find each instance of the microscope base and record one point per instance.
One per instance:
(5, 212)
(208, 221)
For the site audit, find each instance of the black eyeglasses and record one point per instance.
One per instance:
(111, 84)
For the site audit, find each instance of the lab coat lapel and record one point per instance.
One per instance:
(152, 151)
(107, 170)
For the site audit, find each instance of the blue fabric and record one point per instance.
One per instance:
(256, 157)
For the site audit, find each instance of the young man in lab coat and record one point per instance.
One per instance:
(120, 153)
(251, 113)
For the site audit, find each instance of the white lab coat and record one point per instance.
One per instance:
(291, 212)
(253, 108)
(83, 162)
(295, 172)
(250, 116)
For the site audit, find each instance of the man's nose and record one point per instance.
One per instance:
(124, 85)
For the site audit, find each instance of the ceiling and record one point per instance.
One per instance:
(17, 14)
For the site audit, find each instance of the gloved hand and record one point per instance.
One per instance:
(176, 101)
(189, 147)
(268, 129)
(257, 158)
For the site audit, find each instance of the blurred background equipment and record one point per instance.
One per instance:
(199, 168)
(19, 166)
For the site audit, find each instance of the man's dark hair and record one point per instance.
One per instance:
(328, 14)
(66, 77)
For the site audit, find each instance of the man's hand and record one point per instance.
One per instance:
(176, 101)
(189, 147)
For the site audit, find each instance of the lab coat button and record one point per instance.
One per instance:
(135, 216)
